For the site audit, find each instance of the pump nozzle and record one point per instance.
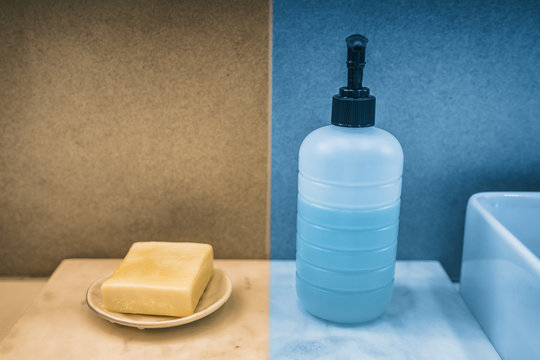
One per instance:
(354, 106)
(356, 59)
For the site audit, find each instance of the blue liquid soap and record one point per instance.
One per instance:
(349, 189)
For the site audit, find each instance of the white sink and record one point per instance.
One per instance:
(500, 272)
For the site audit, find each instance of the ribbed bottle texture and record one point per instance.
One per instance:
(347, 222)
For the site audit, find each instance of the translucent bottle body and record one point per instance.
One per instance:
(349, 187)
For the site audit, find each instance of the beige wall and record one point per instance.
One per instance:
(131, 121)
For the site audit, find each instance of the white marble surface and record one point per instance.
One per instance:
(16, 296)
(59, 324)
(427, 319)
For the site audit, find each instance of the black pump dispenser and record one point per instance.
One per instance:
(354, 106)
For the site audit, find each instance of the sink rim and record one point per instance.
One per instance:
(476, 201)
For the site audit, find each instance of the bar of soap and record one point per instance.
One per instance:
(159, 278)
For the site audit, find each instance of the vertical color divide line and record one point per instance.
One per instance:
(269, 130)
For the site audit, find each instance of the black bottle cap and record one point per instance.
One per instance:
(354, 106)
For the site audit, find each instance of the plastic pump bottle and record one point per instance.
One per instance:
(349, 188)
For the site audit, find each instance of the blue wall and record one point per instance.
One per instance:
(458, 83)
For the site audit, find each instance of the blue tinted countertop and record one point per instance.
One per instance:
(427, 319)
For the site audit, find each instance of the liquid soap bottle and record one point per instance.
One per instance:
(349, 190)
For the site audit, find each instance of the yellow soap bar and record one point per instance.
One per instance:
(160, 278)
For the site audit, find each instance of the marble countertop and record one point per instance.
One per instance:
(16, 296)
(59, 324)
(426, 320)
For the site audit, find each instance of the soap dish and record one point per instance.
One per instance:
(217, 292)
